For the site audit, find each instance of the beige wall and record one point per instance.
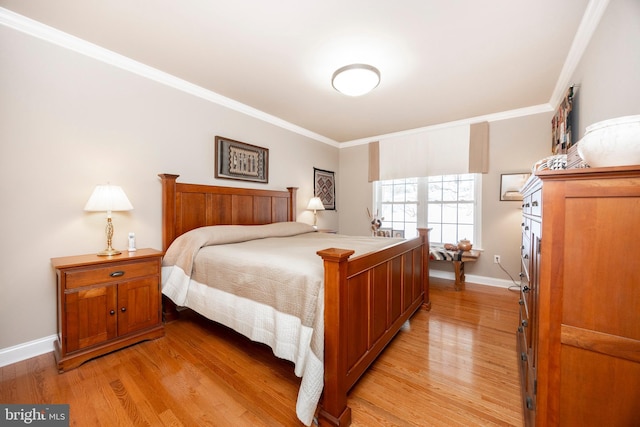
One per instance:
(515, 145)
(608, 73)
(355, 193)
(67, 123)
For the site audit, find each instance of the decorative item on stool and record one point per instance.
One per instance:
(464, 245)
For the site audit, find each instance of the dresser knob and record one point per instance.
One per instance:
(112, 312)
(523, 357)
(526, 289)
(529, 403)
(118, 273)
(123, 309)
(525, 323)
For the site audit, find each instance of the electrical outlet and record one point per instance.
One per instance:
(496, 259)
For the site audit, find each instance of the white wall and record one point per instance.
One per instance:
(67, 123)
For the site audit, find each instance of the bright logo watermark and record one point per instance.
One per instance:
(36, 415)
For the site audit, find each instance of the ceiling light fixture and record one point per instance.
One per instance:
(355, 79)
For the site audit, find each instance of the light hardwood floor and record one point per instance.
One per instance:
(454, 366)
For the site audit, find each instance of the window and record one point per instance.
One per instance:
(448, 204)
(399, 205)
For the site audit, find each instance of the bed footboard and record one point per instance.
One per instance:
(367, 300)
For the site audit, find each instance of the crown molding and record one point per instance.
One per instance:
(504, 115)
(44, 32)
(590, 20)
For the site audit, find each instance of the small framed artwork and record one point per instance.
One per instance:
(398, 233)
(384, 232)
(510, 185)
(241, 161)
(562, 125)
(324, 186)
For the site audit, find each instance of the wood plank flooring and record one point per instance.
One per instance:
(453, 366)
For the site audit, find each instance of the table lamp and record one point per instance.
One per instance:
(108, 198)
(315, 204)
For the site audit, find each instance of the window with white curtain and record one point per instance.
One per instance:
(448, 204)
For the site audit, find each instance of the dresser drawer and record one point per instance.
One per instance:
(110, 273)
(536, 203)
(526, 204)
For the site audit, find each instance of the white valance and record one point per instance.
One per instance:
(453, 150)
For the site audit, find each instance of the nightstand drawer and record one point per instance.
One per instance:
(110, 273)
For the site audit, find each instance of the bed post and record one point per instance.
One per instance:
(292, 203)
(168, 208)
(333, 407)
(424, 235)
(169, 309)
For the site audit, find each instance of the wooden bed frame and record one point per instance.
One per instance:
(367, 298)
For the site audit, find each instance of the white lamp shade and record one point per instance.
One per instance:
(315, 204)
(356, 79)
(108, 198)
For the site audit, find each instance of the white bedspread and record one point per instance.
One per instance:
(265, 282)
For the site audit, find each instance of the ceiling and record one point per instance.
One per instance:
(440, 61)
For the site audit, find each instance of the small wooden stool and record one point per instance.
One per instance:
(457, 258)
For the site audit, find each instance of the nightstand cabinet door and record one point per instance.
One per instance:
(91, 317)
(138, 305)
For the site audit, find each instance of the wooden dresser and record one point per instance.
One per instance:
(106, 303)
(579, 332)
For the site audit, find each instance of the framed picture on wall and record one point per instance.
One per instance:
(324, 186)
(562, 125)
(510, 185)
(241, 161)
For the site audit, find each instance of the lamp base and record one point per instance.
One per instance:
(109, 252)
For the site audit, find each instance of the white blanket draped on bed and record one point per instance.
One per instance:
(265, 282)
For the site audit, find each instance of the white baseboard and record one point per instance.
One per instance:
(472, 278)
(26, 350)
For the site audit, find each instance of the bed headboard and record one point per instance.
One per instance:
(188, 206)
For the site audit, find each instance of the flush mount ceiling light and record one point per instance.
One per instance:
(355, 79)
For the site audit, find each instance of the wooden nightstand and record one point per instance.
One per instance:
(106, 303)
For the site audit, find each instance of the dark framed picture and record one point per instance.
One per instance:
(241, 161)
(510, 185)
(324, 186)
(562, 125)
